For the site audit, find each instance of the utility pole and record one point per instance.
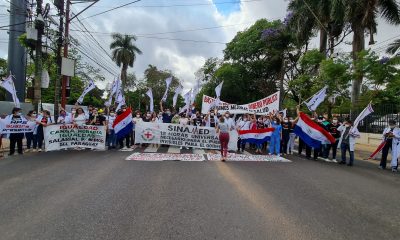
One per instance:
(39, 25)
(16, 52)
(65, 79)
(59, 61)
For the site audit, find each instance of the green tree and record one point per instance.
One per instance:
(124, 53)
(362, 15)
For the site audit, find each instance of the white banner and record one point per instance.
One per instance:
(263, 106)
(178, 135)
(58, 137)
(16, 126)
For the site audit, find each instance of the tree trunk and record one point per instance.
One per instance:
(358, 46)
(323, 40)
(124, 74)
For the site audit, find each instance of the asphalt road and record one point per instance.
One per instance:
(99, 195)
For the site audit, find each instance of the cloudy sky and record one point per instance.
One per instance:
(174, 34)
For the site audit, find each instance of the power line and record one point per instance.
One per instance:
(13, 24)
(112, 9)
(186, 5)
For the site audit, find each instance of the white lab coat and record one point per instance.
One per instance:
(395, 144)
(353, 135)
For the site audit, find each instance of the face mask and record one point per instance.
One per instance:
(19, 113)
(212, 114)
(227, 115)
(124, 110)
(334, 121)
(285, 120)
(112, 114)
(244, 119)
(73, 112)
(148, 115)
(291, 120)
(312, 119)
(138, 116)
(274, 121)
(392, 126)
(347, 125)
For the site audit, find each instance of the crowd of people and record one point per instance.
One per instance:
(282, 140)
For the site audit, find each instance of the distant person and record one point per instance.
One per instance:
(223, 132)
(391, 135)
(16, 138)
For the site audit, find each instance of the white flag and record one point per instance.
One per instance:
(8, 84)
(178, 91)
(284, 112)
(187, 97)
(367, 111)
(89, 88)
(168, 82)
(317, 99)
(45, 79)
(120, 104)
(218, 90)
(150, 94)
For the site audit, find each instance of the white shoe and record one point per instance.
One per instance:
(124, 148)
(39, 150)
(181, 148)
(334, 160)
(27, 150)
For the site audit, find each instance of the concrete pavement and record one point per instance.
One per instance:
(99, 195)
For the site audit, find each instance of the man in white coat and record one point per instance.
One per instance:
(391, 135)
(347, 141)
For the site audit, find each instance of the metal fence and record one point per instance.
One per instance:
(377, 121)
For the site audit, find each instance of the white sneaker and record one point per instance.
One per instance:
(181, 148)
(124, 148)
(39, 150)
(334, 160)
(27, 150)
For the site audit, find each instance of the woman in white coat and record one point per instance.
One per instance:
(347, 141)
(391, 135)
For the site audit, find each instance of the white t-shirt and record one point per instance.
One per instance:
(80, 119)
(230, 122)
(110, 120)
(66, 119)
(243, 125)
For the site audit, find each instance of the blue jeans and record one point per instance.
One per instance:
(111, 138)
(31, 140)
(346, 147)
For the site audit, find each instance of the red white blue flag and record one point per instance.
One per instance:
(123, 124)
(312, 133)
(257, 136)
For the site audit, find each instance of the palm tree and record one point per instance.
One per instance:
(124, 53)
(362, 15)
(309, 15)
(393, 47)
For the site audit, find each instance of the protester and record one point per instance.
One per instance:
(64, 118)
(285, 135)
(16, 138)
(347, 141)
(79, 117)
(166, 115)
(31, 138)
(333, 129)
(184, 121)
(230, 121)
(97, 119)
(43, 120)
(242, 124)
(292, 136)
(391, 136)
(175, 119)
(127, 137)
(111, 137)
(274, 147)
(223, 131)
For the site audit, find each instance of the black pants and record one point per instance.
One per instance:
(301, 146)
(16, 138)
(284, 143)
(240, 145)
(385, 153)
(334, 149)
(127, 139)
(316, 152)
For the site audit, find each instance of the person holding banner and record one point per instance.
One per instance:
(111, 138)
(64, 118)
(223, 131)
(16, 138)
(43, 120)
(79, 118)
(242, 124)
(31, 137)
